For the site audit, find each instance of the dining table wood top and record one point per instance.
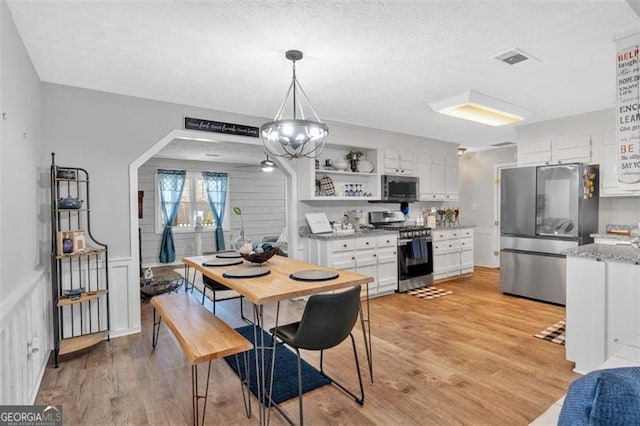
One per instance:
(277, 285)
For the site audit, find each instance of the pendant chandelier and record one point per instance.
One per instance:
(268, 165)
(296, 137)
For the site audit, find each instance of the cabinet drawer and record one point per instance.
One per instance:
(466, 244)
(455, 233)
(365, 243)
(452, 245)
(342, 261)
(390, 240)
(440, 247)
(346, 244)
(466, 233)
(440, 235)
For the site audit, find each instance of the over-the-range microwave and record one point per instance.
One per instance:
(400, 188)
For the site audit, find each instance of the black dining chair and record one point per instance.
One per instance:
(326, 322)
(215, 286)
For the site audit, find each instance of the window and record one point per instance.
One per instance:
(194, 207)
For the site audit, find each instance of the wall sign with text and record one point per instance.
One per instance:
(628, 113)
(220, 127)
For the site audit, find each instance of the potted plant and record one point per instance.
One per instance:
(354, 158)
(237, 238)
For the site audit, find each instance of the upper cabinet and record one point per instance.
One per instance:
(575, 149)
(396, 163)
(331, 178)
(438, 175)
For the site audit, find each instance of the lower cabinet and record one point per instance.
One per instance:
(602, 310)
(452, 252)
(373, 255)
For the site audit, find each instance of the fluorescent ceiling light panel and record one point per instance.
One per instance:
(481, 108)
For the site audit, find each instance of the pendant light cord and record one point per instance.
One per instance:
(295, 91)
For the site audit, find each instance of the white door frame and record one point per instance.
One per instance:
(496, 209)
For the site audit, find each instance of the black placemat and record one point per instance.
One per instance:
(251, 272)
(222, 262)
(229, 255)
(314, 275)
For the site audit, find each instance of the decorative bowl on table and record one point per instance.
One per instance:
(259, 253)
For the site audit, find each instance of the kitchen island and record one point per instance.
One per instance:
(603, 303)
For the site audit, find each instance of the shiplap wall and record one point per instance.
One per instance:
(261, 196)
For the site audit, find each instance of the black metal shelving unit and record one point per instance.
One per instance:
(78, 261)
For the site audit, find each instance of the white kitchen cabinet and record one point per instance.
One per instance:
(534, 153)
(609, 185)
(372, 255)
(344, 181)
(563, 150)
(399, 163)
(603, 301)
(438, 178)
(571, 150)
(452, 252)
(451, 178)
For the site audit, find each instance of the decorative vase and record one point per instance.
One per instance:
(237, 238)
(354, 164)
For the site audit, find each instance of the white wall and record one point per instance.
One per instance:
(261, 196)
(478, 199)
(613, 210)
(25, 304)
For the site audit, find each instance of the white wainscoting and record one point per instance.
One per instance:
(124, 300)
(25, 339)
(484, 242)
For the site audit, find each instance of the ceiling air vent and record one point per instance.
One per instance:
(503, 144)
(515, 56)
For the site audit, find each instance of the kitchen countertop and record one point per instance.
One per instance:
(458, 226)
(334, 236)
(606, 253)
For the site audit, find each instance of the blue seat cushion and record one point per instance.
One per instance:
(604, 397)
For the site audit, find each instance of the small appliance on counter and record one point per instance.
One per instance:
(355, 218)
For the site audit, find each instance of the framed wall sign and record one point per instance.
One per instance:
(220, 127)
(628, 110)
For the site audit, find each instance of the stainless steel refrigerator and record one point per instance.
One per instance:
(544, 211)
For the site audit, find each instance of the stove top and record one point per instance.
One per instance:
(406, 230)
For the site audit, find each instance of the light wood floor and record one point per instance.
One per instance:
(466, 358)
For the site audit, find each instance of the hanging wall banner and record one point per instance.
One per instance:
(628, 112)
(219, 127)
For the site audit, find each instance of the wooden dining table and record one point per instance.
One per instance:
(275, 287)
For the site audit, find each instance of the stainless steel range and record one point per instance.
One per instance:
(415, 251)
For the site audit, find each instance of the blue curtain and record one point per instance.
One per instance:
(171, 184)
(216, 185)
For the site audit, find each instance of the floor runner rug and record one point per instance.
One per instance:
(429, 292)
(554, 333)
(285, 383)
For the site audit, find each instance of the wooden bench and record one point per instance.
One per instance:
(203, 337)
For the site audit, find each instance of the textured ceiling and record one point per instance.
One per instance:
(371, 63)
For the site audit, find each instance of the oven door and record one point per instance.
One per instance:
(415, 269)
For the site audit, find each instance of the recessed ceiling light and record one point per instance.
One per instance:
(481, 108)
(212, 155)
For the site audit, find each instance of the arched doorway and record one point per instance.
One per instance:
(285, 167)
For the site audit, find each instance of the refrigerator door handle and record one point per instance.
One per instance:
(533, 253)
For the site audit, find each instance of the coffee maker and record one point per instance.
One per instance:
(355, 217)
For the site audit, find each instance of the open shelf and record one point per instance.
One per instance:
(74, 344)
(85, 297)
(344, 173)
(89, 252)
